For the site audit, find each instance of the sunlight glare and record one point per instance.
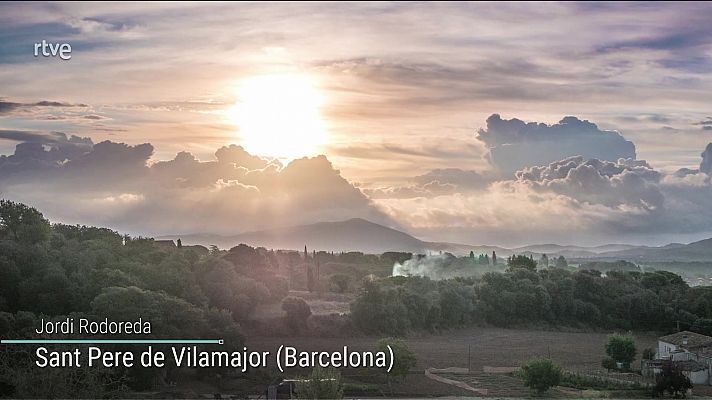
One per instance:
(278, 116)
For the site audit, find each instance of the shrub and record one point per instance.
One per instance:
(541, 373)
(621, 348)
(340, 282)
(297, 311)
(322, 383)
(608, 363)
(403, 358)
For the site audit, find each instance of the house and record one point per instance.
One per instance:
(676, 345)
(691, 351)
(165, 243)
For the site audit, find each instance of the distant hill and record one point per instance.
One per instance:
(351, 235)
(361, 235)
(695, 251)
(571, 251)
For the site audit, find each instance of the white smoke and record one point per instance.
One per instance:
(435, 267)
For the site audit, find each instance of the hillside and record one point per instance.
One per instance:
(695, 251)
(350, 235)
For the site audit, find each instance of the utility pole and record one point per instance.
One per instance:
(469, 352)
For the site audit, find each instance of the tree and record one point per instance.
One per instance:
(671, 380)
(521, 261)
(322, 383)
(541, 373)
(621, 348)
(341, 281)
(297, 311)
(608, 363)
(22, 223)
(403, 358)
(561, 262)
(544, 261)
(648, 354)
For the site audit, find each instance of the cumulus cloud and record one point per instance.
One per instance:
(625, 182)
(574, 200)
(121, 186)
(514, 144)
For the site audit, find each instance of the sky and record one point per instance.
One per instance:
(478, 123)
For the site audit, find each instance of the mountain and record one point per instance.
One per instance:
(569, 251)
(351, 235)
(361, 235)
(695, 251)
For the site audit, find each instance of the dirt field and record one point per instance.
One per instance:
(488, 347)
(494, 347)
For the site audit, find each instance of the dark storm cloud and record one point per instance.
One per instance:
(514, 144)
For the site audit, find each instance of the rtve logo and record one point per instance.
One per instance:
(61, 50)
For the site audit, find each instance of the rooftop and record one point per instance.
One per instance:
(687, 339)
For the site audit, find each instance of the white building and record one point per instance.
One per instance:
(691, 351)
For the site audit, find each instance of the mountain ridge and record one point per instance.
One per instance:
(358, 234)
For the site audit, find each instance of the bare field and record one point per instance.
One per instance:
(494, 348)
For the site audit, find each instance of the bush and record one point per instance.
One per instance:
(340, 282)
(297, 311)
(541, 373)
(621, 348)
(403, 358)
(322, 383)
(608, 363)
(671, 380)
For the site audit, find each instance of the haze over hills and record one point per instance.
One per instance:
(361, 235)
(350, 235)
(695, 251)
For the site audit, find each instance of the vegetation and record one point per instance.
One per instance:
(297, 311)
(521, 261)
(603, 266)
(340, 282)
(671, 380)
(651, 301)
(540, 374)
(322, 383)
(608, 363)
(54, 271)
(621, 349)
(403, 358)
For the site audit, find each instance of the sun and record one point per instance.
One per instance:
(279, 116)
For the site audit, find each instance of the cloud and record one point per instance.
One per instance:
(514, 144)
(706, 164)
(121, 186)
(622, 183)
(7, 107)
(437, 182)
(430, 189)
(705, 124)
(574, 200)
